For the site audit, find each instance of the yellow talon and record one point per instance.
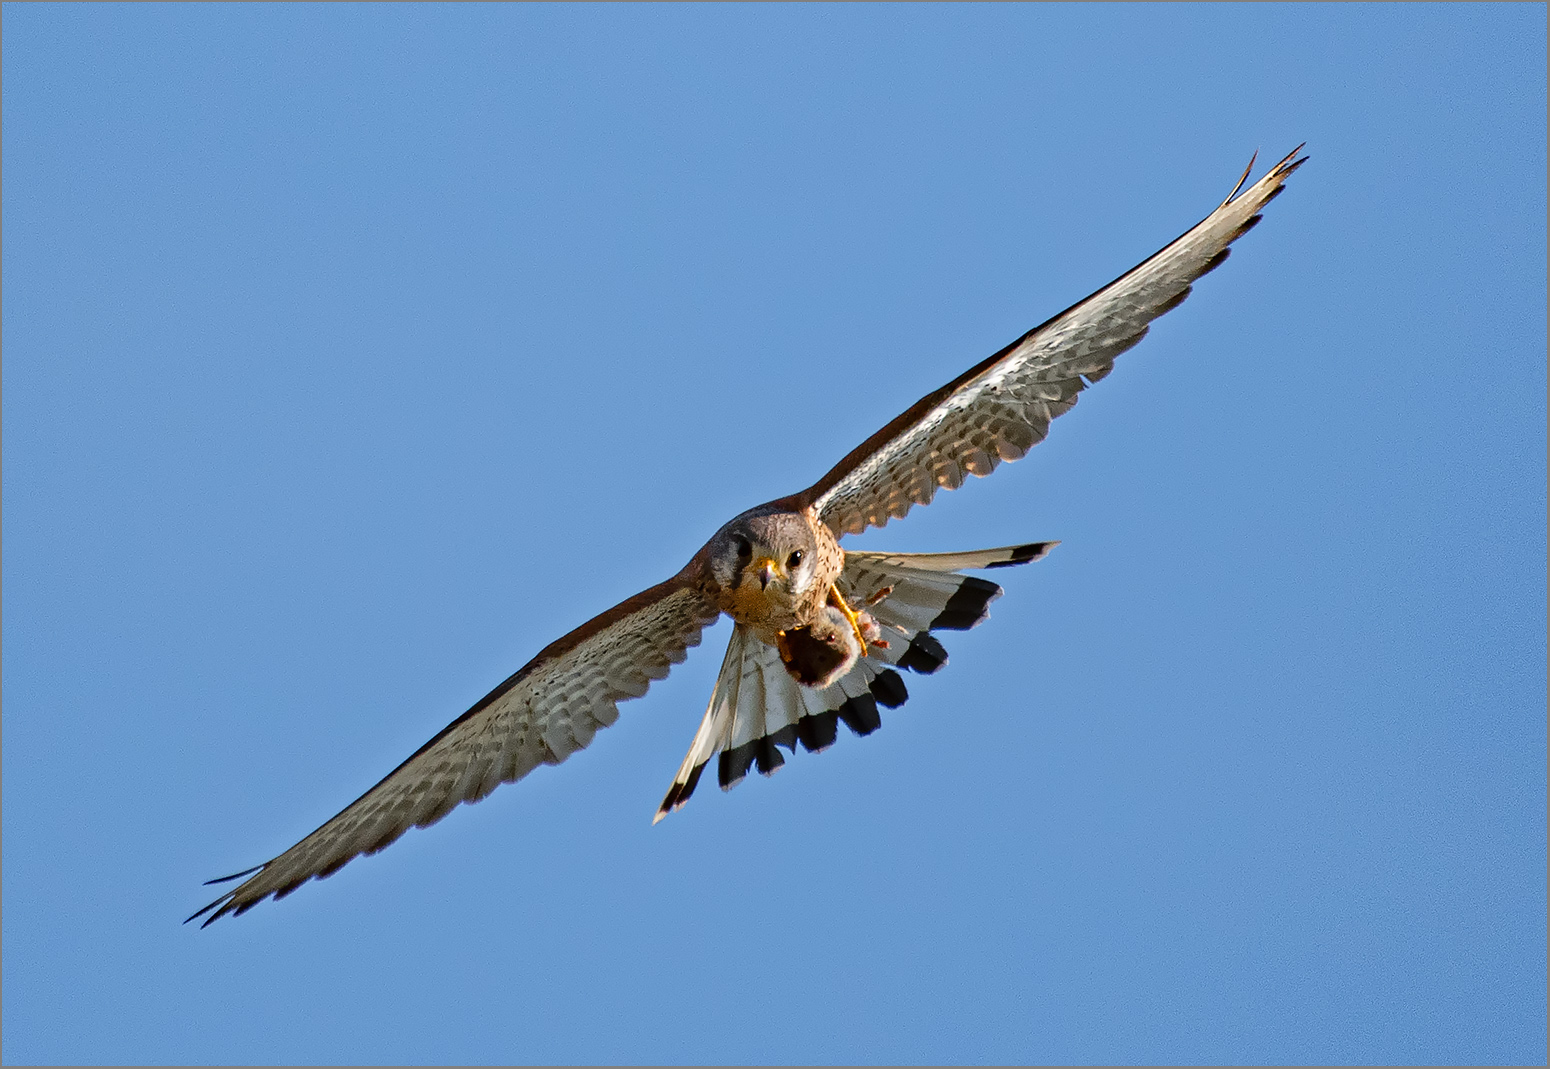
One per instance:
(838, 601)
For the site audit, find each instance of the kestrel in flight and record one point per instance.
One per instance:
(819, 630)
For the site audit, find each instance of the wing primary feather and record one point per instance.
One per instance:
(555, 703)
(969, 426)
(233, 876)
(1246, 172)
(1173, 302)
(993, 412)
(202, 912)
(1220, 258)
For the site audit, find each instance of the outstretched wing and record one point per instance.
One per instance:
(757, 707)
(540, 716)
(1001, 408)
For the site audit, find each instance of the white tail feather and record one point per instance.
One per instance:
(757, 706)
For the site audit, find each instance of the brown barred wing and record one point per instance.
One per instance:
(540, 716)
(1001, 408)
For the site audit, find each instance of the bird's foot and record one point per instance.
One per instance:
(856, 626)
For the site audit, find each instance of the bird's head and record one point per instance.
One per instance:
(768, 555)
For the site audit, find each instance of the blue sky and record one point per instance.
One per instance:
(352, 354)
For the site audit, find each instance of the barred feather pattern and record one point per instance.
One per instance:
(756, 707)
(1001, 408)
(994, 412)
(540, 716)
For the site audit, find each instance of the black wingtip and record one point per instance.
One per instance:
(1280, 170)
(1244, 178)
(233, 876)
(224, 902)
(1284, 169)
(218, 902)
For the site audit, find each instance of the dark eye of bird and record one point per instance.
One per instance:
(743, 548)
(794, 560)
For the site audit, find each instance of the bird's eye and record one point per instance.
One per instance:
(794, 560)
(744, 549)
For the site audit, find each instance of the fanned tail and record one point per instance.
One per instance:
(757, 707)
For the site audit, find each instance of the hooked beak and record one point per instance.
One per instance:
(767, 570)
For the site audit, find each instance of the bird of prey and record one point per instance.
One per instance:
(820, 631)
